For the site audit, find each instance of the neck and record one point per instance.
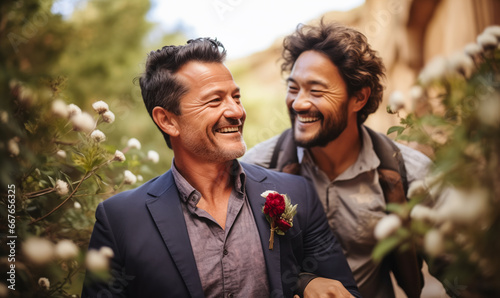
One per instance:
(212, 180)
(338, 155)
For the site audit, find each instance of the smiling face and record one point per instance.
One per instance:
(210, 125)
(317, 100)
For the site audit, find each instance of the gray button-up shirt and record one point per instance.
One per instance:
(230, 261)
(354, 203)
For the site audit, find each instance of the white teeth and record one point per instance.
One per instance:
(228, 129)
(307, 119)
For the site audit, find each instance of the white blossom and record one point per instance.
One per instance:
(100, 107)
(396, 101)
(61, 187)
(130, 178)
(493, 30)
(140, 178)
(108, 117)
(59, 108)
(487, 40)
(153, 156)
(387, 226)
(96, 261)
(74, 110)
(119, 156)
(473, 49)
(417, 188)
(434, 242)
(134, 143)
(434, 70)
(416, 92)
(462, 206)
(83, 122)
(462, 63)
(66, 249)
(38, 250)
(4, 116)
(107, 252)
(61, 154)
(44, 283)
(421, 212)
(77, 205)
(98, 136)
(13, 146)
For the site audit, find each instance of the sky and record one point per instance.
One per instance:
(243, 26)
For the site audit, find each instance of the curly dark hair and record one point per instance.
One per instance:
(159, 85)
(348, 49)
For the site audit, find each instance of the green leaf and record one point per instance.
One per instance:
(398, 129)
(385, 247)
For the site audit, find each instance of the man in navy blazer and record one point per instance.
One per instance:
(199, 230)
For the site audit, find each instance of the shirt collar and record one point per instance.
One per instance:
(367, 158)
(189, 195)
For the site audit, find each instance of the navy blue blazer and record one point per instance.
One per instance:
(145, 227)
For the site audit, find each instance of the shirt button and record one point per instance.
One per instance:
(225, 252)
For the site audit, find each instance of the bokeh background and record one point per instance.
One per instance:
(80, 52)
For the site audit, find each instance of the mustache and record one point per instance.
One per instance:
(228, 122)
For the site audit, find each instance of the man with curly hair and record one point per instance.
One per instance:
(334, 83)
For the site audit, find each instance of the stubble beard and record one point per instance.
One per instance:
(330, 129)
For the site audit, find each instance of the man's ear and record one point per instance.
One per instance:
(360, 98)
(167, 121)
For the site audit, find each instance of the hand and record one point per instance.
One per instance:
(324, 287)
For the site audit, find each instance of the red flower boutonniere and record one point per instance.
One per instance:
(279, 212)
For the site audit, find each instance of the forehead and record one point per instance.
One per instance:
(312, 66)
(198, 75)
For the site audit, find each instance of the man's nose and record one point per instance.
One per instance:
(301, 102)
(234, 109)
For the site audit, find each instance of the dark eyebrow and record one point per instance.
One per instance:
(309, 82)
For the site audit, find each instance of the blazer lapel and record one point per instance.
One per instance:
(166, 211)
(255, 186)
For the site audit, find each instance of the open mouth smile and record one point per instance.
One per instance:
(307, 119)
(228, 129)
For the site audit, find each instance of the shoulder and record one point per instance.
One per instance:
(417, 164)
(261, 153)
(131, 200)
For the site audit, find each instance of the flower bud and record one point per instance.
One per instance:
(83, 122)
(153, 156)
(434, 242)
(59, 108)
(61, 187)
(38, 250)
(130, 178)
(98, 136)
(66, 249)
(74, 110)
(100, 107)
(108, 117)
(119, 156)
(44, 283)
(387, 226)
(134, 143)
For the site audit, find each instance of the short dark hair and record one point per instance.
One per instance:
(159, 85)
(348, 49)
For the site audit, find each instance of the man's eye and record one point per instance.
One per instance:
(316, 92)
(293, 89)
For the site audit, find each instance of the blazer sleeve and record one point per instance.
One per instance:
(322, 251)
(94, 286)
